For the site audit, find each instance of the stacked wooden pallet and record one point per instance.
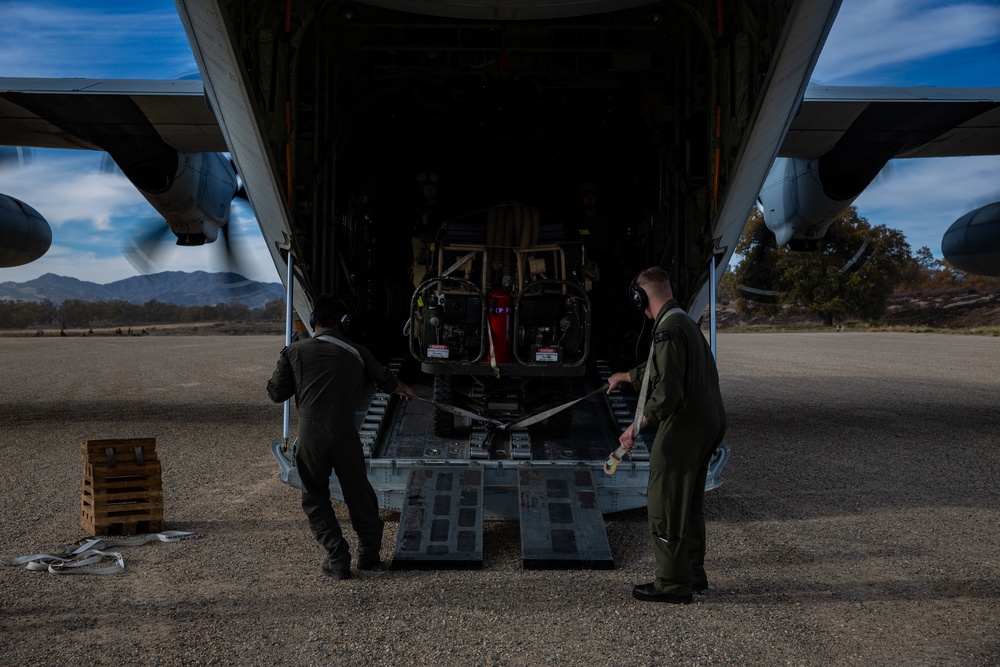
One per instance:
(122, 492)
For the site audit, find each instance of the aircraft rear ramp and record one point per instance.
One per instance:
(552, 482)
(561, 523)
(441, 524)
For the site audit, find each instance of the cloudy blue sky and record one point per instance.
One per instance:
(873, 43)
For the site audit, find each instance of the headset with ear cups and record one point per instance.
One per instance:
(342, 316)
(638, 296)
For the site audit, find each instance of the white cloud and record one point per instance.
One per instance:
(872, 34)
(67, 186)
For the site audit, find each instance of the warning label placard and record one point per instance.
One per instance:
(437, 351)
(547, 354)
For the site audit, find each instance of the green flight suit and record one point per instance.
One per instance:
(327, 380)
(685, 403)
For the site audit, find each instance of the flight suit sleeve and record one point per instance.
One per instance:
(667, 379)
(281, 386)
(635, 375)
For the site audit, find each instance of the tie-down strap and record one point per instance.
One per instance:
(517, 423)
(91, 552)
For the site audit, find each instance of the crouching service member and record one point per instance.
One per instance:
(326, 374)
(685, 404)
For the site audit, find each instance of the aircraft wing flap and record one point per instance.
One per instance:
(176, 110)
(924, 122)
(979, 136)
(809, 143)
(20, 127)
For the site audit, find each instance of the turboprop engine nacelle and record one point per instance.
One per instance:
(24, 234)
(195, 199)
(972, 243)
(798, 207)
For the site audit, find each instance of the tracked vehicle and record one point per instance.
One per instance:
(502, 325)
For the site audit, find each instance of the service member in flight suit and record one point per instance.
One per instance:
(427, 221)
(326, 374)
(685, 403)
(604, 269)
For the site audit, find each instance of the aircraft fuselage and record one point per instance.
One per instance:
(337, 113)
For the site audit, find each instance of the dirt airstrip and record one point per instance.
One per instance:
(857, 523)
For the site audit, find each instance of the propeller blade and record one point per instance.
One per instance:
(110, 168)
(235, 279)
(15, 157)
(884, 176)
(229, 250)
(141, 249)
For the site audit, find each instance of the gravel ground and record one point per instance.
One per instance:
(857, 524)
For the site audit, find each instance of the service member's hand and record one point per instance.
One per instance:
(627, 439)
(617, 380)
(404, 389)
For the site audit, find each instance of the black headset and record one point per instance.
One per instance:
(637, 296)
(341, 315)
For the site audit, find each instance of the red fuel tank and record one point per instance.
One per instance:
(499, 317)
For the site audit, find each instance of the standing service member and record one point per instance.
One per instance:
(427, 221)
(685, 403)
(327, 374)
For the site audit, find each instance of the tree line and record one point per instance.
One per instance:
(852, 272)
(76, 313)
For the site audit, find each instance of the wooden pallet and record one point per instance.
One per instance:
(122, 492)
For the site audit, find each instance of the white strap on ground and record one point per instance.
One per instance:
(78, 560)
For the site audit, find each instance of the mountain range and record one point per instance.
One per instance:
(198, 288)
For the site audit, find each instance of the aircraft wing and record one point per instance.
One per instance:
(896, 122)
(161, 134)
(841, 138)
(93, 114)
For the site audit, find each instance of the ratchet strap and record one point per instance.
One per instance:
(539, 416)
(92, 552)
(460, 412)
(517, 423)
(493, 353)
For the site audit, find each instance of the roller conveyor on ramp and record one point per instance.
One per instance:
(441, 523)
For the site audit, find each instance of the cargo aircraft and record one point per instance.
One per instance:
(685, 113)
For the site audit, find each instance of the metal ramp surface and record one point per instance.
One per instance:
(562, 526)
(441, 523)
